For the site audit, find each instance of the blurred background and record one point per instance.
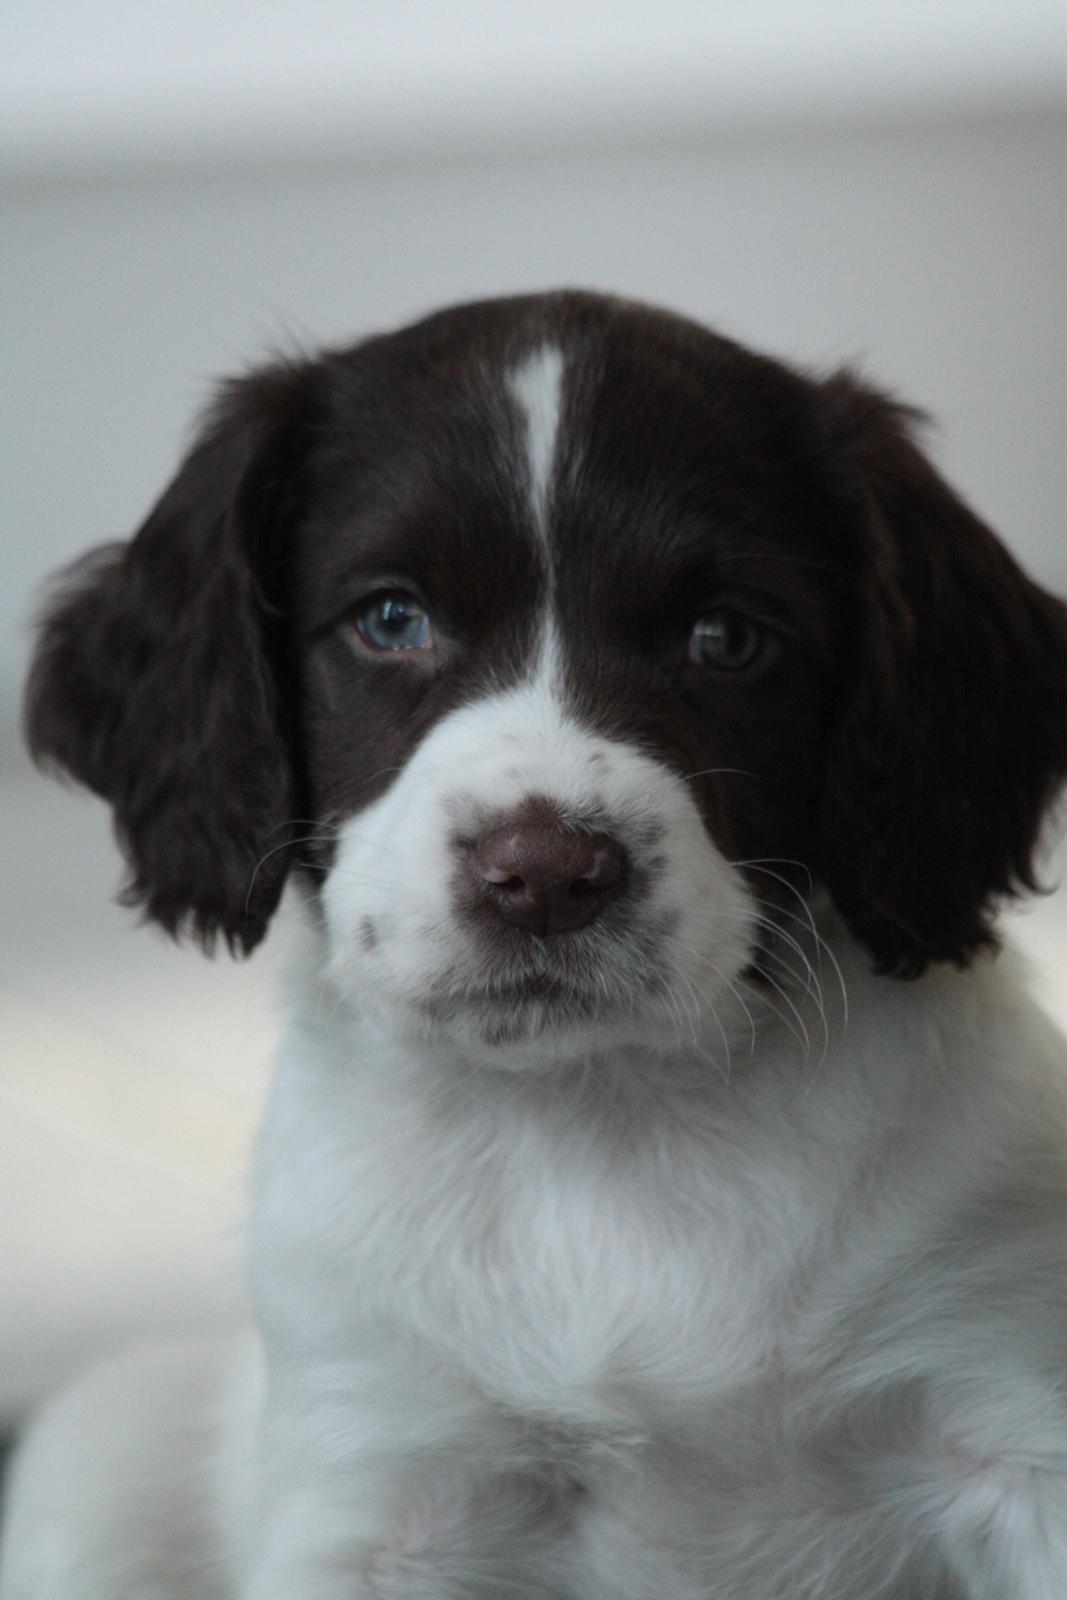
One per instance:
(187, 185)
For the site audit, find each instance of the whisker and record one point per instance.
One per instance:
(725, 1073)
(780, 990)
(807, 981)
(320, 828)
(810, 984)
(735, 991)
(779, 861)
(808, 922)
(692, 1019)
(286, 844)
(715, 772)
(762, 1000)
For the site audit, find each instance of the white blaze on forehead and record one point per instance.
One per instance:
(537, 386)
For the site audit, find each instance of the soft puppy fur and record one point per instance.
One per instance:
(663, 1191)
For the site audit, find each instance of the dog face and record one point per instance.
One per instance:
(561, 645)
(589, 693)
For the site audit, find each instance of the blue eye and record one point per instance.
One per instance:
(727, 640)
(393, 620)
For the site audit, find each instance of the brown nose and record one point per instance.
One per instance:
(548, 879)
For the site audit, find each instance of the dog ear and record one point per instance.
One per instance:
(952, 739)
(159, 674)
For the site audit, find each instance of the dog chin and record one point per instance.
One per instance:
(543, 1029)
(530, 1025)
(541, 1010)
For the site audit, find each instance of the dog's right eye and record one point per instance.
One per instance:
(393, 620)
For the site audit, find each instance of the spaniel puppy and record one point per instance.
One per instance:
(663, 1192)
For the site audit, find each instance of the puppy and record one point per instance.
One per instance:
(663, 1191)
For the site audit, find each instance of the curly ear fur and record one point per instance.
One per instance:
(953, 740)
(157, 677)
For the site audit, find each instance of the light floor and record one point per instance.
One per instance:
(131, 1073)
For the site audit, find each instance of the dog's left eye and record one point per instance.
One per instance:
(393, 620)
(727, 640)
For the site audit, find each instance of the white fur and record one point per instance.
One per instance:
(767, 1325)
(536, 384)
(707, 1294)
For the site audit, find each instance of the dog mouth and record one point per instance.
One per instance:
(549, 992)
(514, 986)
(542, 987)
(537, 995)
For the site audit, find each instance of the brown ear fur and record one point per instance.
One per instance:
(953, 740)
(156, 680)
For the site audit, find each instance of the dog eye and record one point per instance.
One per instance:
(727, 640)
(393, 620)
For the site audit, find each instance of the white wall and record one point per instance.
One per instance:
(144, 85)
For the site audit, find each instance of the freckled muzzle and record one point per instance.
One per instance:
(525, 878)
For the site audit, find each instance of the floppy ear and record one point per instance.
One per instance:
(953, 736)
(159, 674)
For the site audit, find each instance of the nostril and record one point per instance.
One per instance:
(607, 865)
(501, 877)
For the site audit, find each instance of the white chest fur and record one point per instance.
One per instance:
(606, 1252)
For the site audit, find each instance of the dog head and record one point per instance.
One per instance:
(562, 646)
